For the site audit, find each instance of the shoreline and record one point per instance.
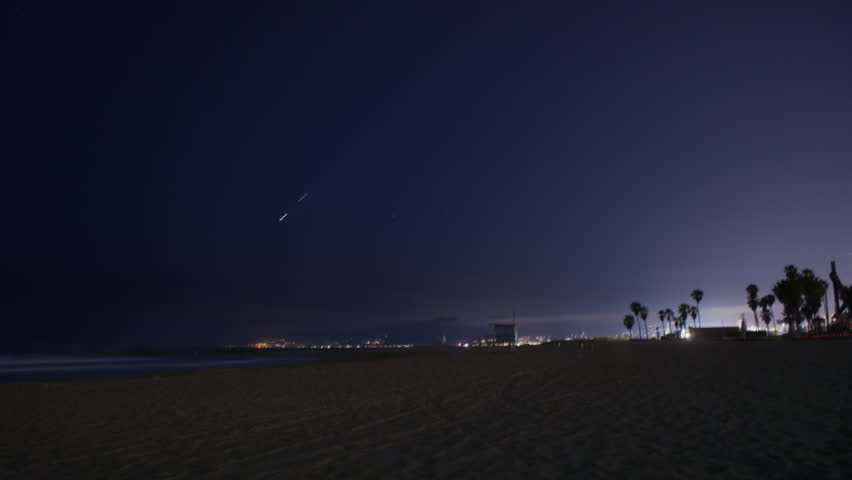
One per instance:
(101, 366)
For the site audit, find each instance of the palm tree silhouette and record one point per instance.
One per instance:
(661, 314)
(682, 314)
(636, 309)
(643, 314)
(628, 322)
(751, 300)
(801, 294)
(764, 312)
(697, 295)
(789, 292)
(770, 300)
(670, 316)
(814, 289)
(693, 312)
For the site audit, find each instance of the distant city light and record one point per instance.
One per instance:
(290, 344)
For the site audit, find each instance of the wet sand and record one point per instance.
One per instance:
(713, 410)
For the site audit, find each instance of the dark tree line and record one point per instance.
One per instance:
(800, 293)
(667, 316)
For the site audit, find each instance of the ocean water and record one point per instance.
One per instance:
(26, 368)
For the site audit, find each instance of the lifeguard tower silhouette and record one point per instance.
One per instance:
(506, 333)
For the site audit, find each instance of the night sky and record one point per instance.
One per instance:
(461, 161)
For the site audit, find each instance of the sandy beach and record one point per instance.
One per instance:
(612, 410)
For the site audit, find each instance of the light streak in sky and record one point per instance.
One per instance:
(298, 201)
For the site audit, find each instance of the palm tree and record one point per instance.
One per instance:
(693, 312)
(764, 312)
(751, 299)
(801, 294)
(770, 301)
(670, 316)
(765, 304)
(697, 295)
(767, 319)
(682, 314)
(636, 309)
(643, 314)
(789, 292)
(628, 322)
(661, 314)
(814, 289)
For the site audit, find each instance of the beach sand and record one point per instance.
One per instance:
(613, 410)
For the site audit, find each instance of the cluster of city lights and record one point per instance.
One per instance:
(492, 342)
(380, 343)
(530, 340)
(289, 344)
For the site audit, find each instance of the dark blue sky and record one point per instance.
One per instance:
(462, 160)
